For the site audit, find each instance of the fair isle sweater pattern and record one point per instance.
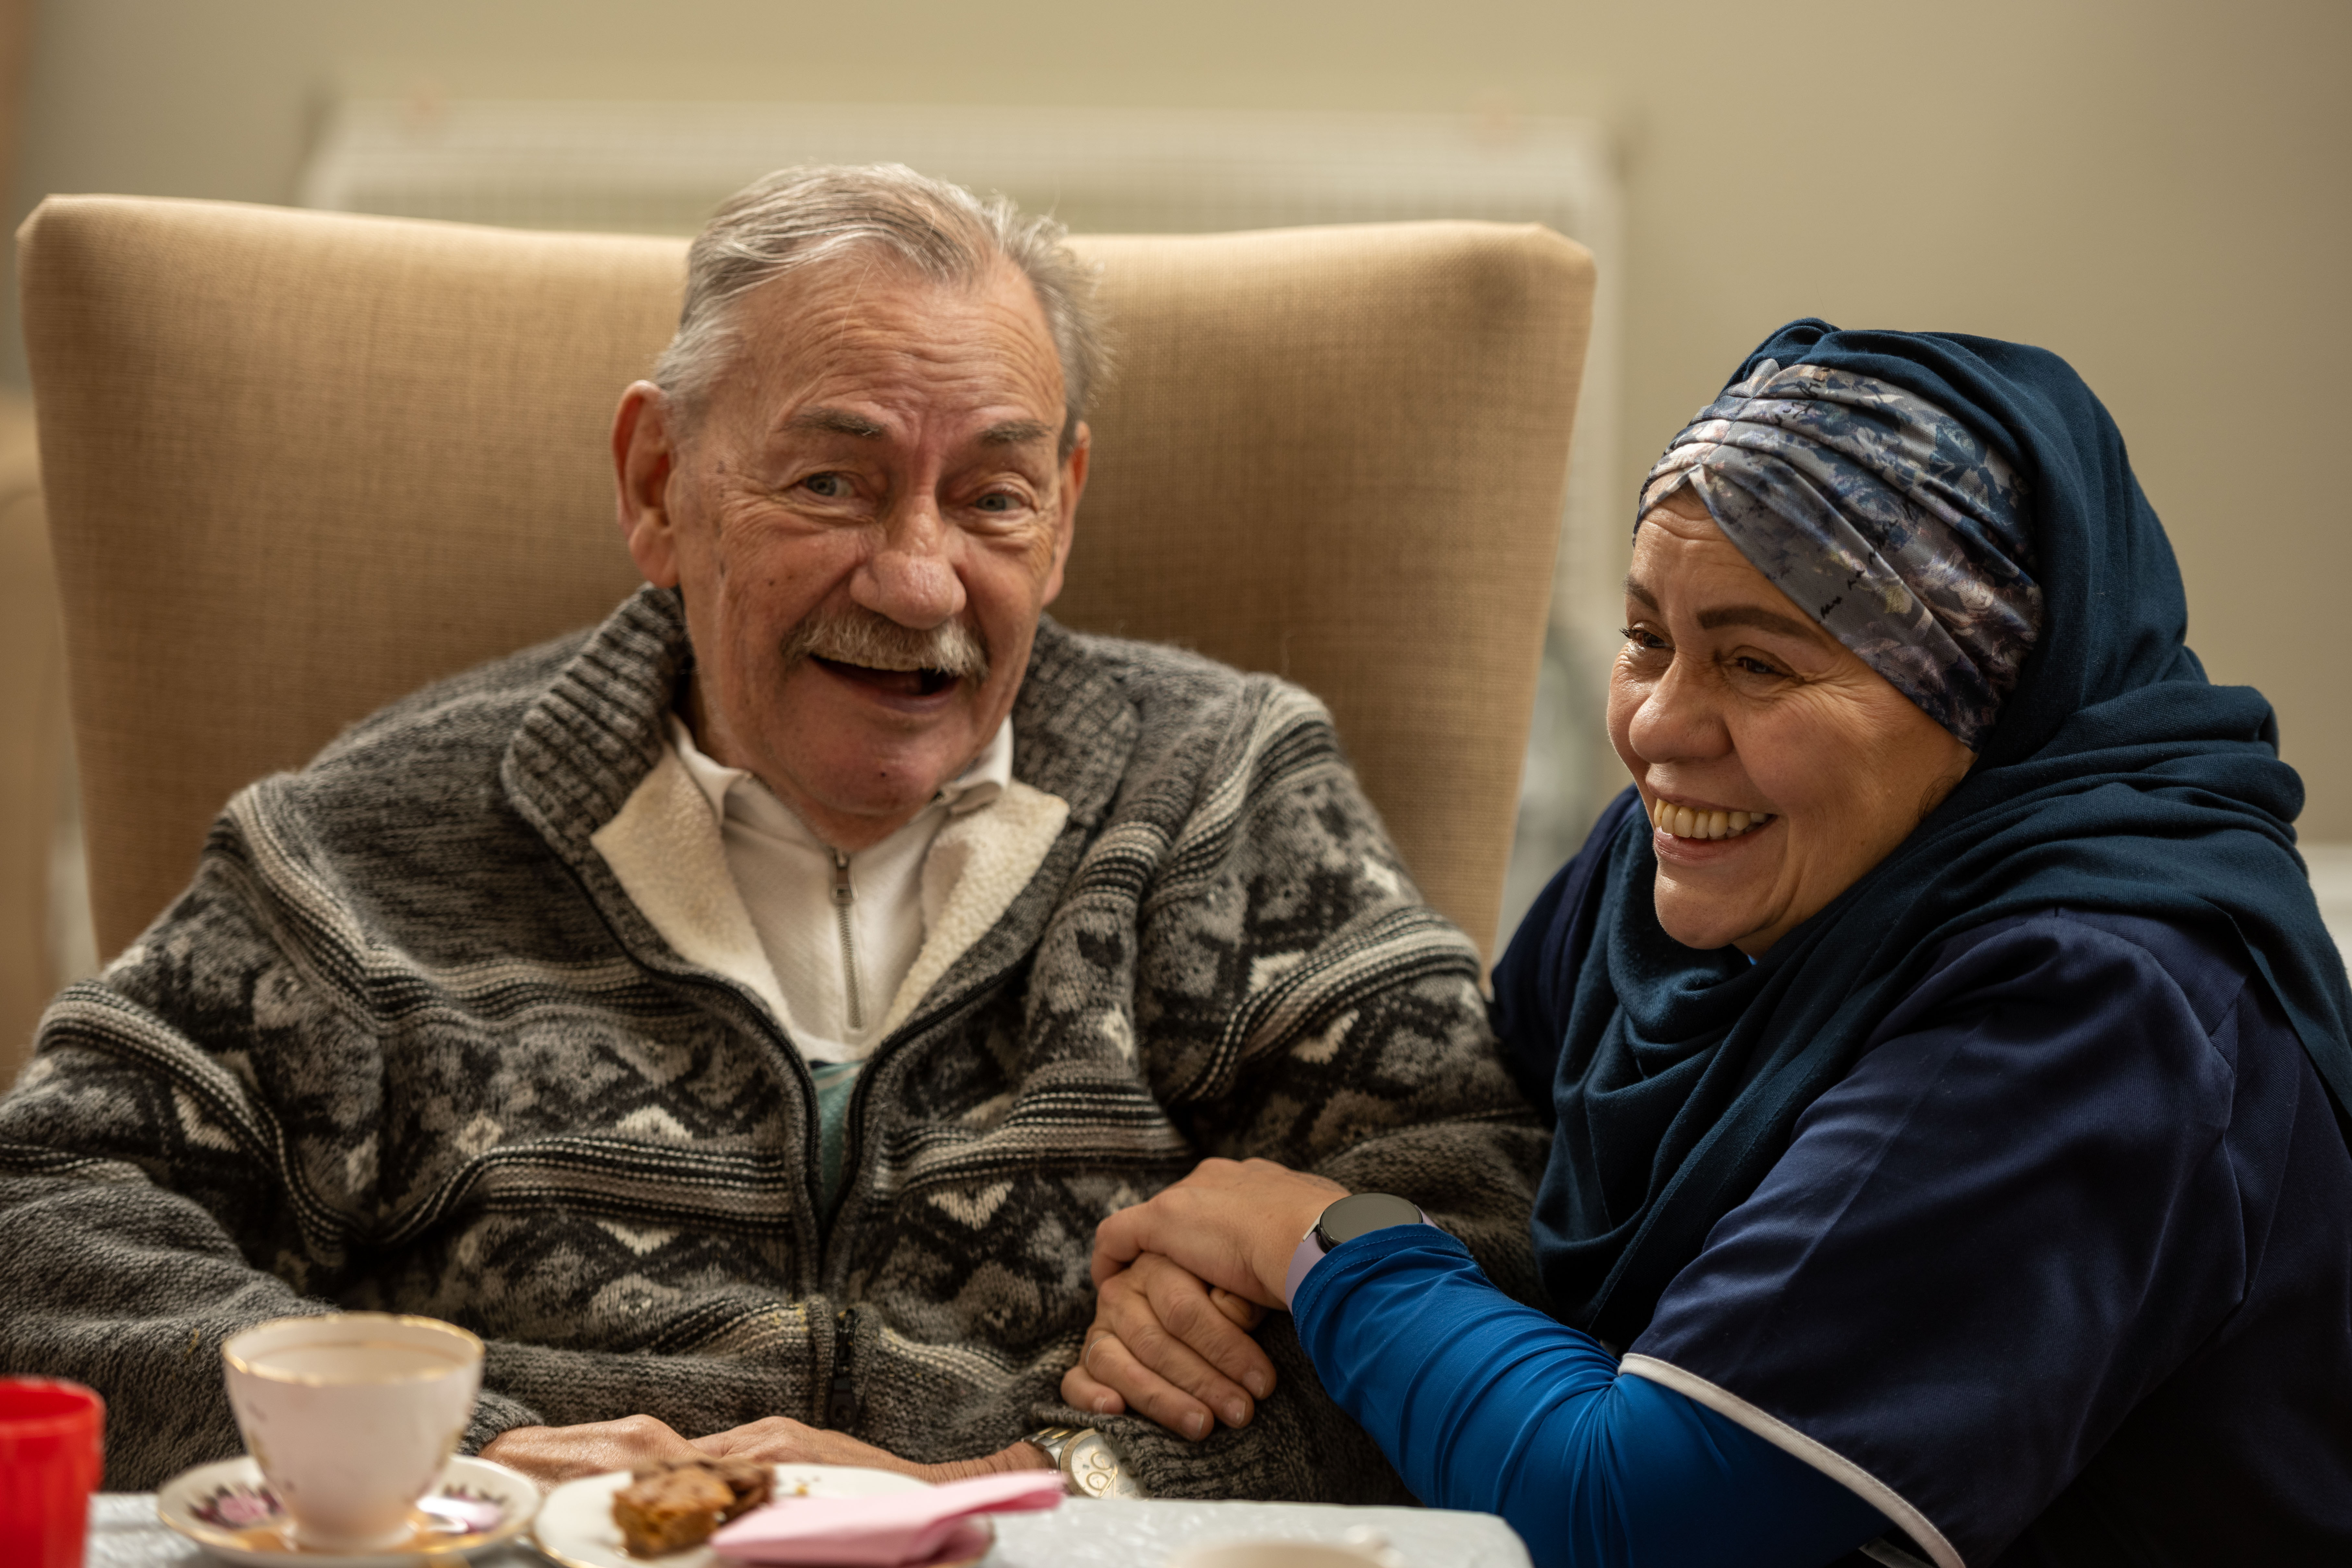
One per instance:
(404, 1044)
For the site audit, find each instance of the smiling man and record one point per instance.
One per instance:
(742, 1015)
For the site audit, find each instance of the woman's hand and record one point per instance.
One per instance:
(1172, 1349)
(1229, 1224)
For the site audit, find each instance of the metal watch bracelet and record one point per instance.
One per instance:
(1090, 1467)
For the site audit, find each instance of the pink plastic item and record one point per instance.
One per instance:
(890, 1531)
(50, 1455)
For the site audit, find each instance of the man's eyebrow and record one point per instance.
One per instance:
(1636, 591)
(1017, 433)
(839, 421)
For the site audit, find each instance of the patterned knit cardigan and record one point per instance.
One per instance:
(405, 1045)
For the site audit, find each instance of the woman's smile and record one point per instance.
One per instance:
(1726, 699)
(1695, 824)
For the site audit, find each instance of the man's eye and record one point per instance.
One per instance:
(1648, 641)
(1755, 666)
(998, 502)
(832, 487)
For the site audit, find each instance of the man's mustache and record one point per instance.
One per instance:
(859, 637)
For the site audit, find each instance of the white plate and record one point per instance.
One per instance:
(575, 1522)
(227, 1509)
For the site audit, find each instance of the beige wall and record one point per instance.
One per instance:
(2157, 191)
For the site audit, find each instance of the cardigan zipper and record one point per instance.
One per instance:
(845, 895)
(840, 1399)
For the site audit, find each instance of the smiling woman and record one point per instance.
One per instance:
(1947, 1064)
(1776, 765)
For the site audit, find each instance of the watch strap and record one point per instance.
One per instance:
(1304, 1257)
(1319, 1240)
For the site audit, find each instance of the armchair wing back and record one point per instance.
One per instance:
(299, 464)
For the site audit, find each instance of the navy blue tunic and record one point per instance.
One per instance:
(2061, 1271)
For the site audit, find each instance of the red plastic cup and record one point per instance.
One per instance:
(51, 1453)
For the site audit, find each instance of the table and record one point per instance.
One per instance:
(125, 1534)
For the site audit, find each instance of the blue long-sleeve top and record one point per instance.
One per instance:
(2057, 1272)
(1484, 1404)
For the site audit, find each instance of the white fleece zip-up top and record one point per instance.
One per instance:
(841, 932)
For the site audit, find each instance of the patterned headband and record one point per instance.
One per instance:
(1881, 517)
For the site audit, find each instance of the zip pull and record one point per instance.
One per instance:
(841, 1404)
(844, 896)
(840, 1399)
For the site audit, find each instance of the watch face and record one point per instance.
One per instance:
(1094, 1470)
(1362, 1213)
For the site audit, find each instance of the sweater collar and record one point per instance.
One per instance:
(1074, 722)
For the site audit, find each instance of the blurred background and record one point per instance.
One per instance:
(2160, 192)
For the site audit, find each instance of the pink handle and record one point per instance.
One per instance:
(881, 1531)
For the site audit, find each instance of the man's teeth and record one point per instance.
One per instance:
(1683, 823)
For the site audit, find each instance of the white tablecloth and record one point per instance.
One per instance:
(125, 1534)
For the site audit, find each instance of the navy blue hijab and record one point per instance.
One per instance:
(2115, 778)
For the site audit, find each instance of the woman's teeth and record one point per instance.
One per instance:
(1683, 823)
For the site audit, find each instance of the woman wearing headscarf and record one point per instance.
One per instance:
(1949, 1064)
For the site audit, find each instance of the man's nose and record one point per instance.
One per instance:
(911, 575)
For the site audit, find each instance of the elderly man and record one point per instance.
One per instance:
(742, 1014)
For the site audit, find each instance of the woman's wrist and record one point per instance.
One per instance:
(1340, 1221)
(1294, 1224)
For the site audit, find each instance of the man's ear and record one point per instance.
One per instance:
(1074, 485)
(645, 449)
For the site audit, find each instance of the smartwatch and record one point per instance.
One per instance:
(1358, 1214)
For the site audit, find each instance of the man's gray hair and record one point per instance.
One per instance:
(800, 216)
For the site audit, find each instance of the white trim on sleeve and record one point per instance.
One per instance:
(1789, 1440)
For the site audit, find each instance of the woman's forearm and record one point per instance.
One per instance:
(1484, 1404)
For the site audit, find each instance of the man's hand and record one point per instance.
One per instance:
(778, 1440)
(552, 1455)
(1183, 1278)
(1229, 1224)
(1172, 1348)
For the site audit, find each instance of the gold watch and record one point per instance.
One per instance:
(1089, 1464)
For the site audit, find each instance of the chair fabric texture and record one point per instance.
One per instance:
(299, 464)
(33, 754)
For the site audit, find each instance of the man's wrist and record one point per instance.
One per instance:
(1090, 1467)
(1023, 1456)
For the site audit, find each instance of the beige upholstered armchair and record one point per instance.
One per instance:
(32, 741)
(296, 465)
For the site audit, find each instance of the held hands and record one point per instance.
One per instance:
(551, 1455)
(1171, 1348)
(1183, 1277)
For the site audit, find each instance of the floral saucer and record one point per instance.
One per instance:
(227, 1509)
(575, 1527)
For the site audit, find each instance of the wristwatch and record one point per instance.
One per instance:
(1089, 1464)
(1358, 1214)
